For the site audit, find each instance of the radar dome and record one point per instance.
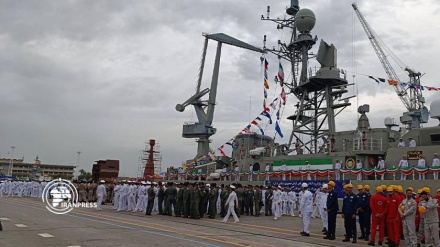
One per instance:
(305, 20)
(388, 121)
(435, 109)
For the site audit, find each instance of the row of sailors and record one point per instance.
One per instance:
(22, 188)
(391, 208)
(130, 197)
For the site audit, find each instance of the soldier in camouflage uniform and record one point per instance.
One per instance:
(179, 200)
(151, 196)
(239, 191)
(187, 195)
(171, 193)
(213, 194)
(257, 200)
(223, 197)
(249, 201)
(268, 201)
(204, 198)
(195, 202)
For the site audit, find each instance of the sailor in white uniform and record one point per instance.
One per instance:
(381, 165)
(100, 193)
(359, 166)
(403, 163)
(292, 201)
(435, 162)
(306, 208)
(276, 202)
(421, 163)
(231, 203)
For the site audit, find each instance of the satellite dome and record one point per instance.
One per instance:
(435, 109)
(305, 20)
(389, 121)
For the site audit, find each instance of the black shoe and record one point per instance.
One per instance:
(366, 239)
(354, 241)
(380, 243)
(326, 237)
(324, 230)
(307, 235)
(371, 244)
(361, 237)
(332, 238)
(346, 240)
(302, 233)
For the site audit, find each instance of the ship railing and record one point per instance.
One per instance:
(368, 144)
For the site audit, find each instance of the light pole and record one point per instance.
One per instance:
(11, 161)
(78, 157)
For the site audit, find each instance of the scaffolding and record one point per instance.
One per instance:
(143, 157)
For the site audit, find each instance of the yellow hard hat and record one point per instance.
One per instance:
(367, 187)
(345, 186)
(379, 189)
(427, 190)
(400, 189)
(419, 191)
(438, 190)
(390, 189)
(349, 185)
(410, 188)
(384, 186)
(332, 183)
(422, 210)
(393, 186)
(360, 187)
(402, 208)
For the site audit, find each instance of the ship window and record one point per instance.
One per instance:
(435, 138)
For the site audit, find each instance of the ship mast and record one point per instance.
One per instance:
(317, 92)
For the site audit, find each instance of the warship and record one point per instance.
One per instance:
(315, 143)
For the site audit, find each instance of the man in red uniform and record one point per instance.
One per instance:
(378, 205)
(393, 218)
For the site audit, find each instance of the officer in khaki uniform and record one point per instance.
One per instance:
(82, 191)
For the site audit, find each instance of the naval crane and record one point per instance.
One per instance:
(203, 129)
(411, 97)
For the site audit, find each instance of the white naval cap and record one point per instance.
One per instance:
(304, 185)
(325, 186)
(232, 186)
(148, 183)
(143, 182)
(102, 181)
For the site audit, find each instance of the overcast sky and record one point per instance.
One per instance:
(102, 77)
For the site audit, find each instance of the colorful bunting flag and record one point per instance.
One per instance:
(283, 96)
(278, 129)
(281, 74)
(220, 149)
(266, 114)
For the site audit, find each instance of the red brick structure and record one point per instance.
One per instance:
(107, 170)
